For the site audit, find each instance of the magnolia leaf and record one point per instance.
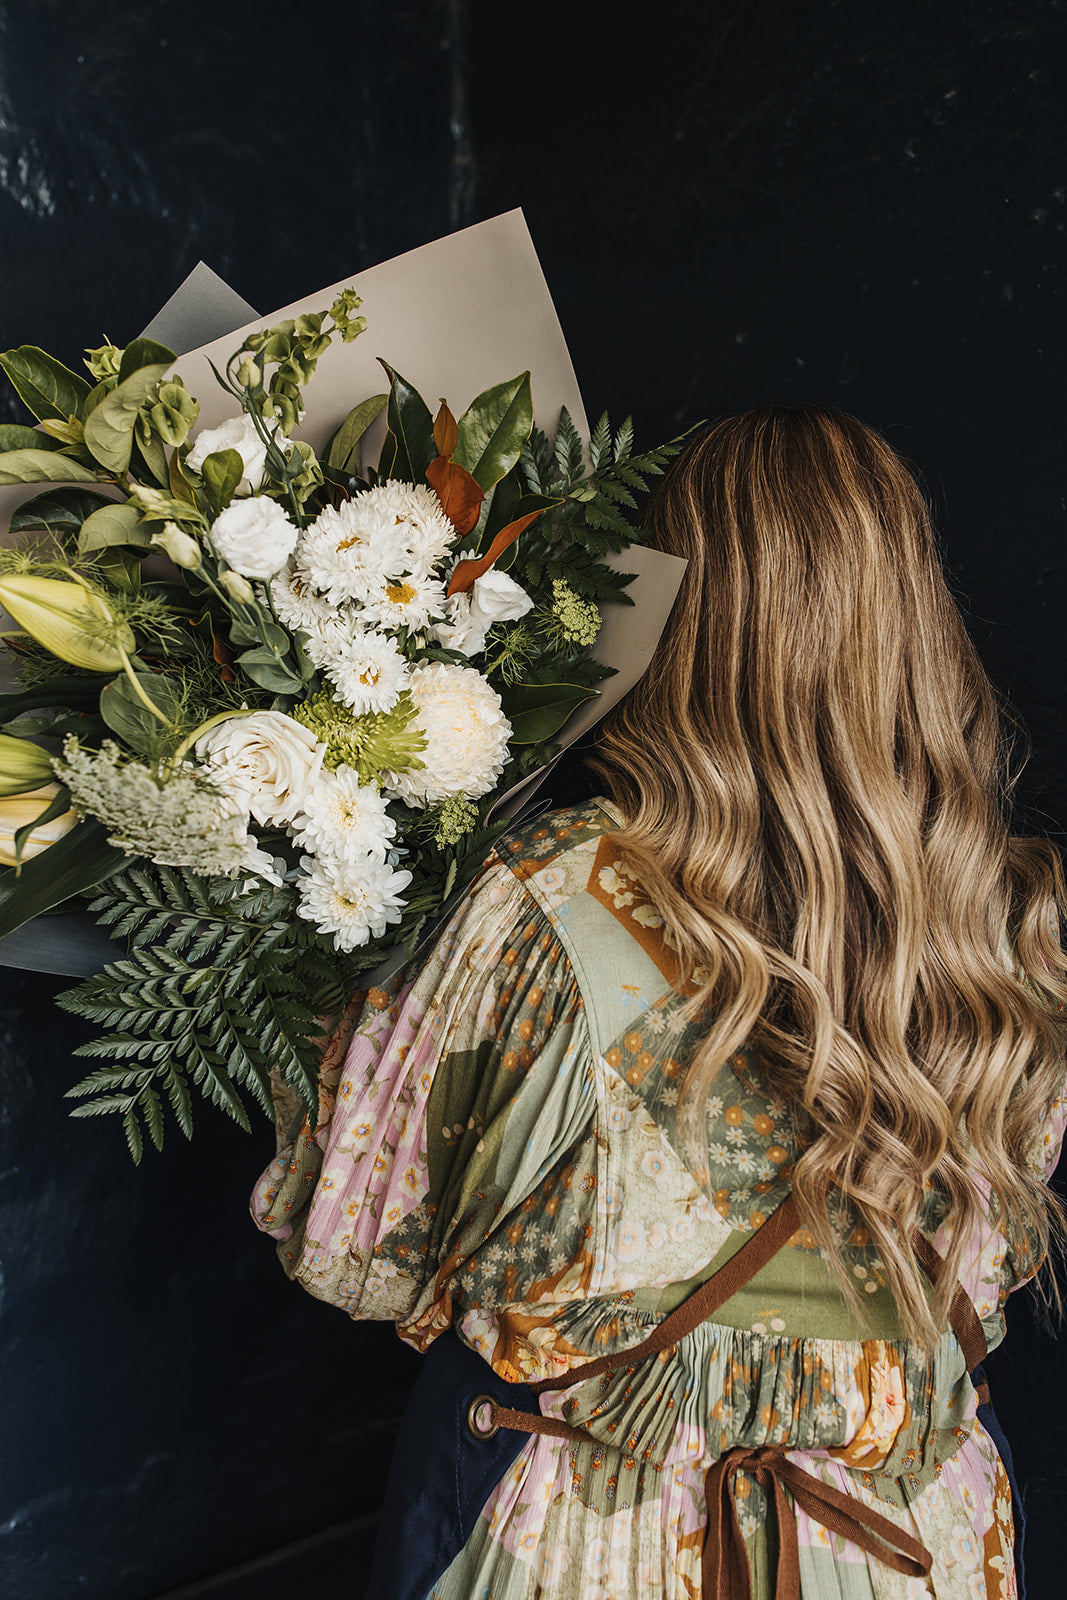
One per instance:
(113, 524)
(43, 384)
(127, 715)
(493, 430)
(222, 472)
(109, 426)
(445, 432)
(468, 572)
(538, 710)
(409, 447)
(82, 858)
(52, 692)
(40, 466)
(461, 498)
(344, 451)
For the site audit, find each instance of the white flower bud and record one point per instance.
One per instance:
(180, 547)
(236, 587)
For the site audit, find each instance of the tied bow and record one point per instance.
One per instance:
(725, 1574)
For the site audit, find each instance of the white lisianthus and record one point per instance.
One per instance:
(466, 735)
(494, 598)
(267, 760)
(365, 667)
(236, 433)
(255, 536)
(343, 819)
(352, 900)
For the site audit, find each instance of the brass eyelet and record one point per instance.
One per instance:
(472, 1418)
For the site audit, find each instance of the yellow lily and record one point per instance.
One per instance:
(22, 765)
(17, 810)
(50, 610)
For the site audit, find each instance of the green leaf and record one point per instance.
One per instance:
(263, 667)
(52, 692)
(59, 512)
(222, 472)
(154, 456)
(13, 436)
(344, 451)
(538, 710)
(141, 353)
(109, 426)
(43, 384)
(40, 466)
(75, 863)
(112, 524)
(494, 429)
(132, 1131)
(409, 446)
(126, 715)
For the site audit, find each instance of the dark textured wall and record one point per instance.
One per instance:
(733, 203)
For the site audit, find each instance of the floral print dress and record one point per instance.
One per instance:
(497, 1153)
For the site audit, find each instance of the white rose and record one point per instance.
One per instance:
(255, 536)
(236, 433)
(266, 760)
(494, 598)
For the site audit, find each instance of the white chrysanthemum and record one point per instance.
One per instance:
(300, 608)
(365, 667)
(466, 734)
(426, 530)
(352, 901)
(408, 601)
(350, 549)
(344, 819)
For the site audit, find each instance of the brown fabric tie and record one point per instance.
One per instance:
(725, 1570)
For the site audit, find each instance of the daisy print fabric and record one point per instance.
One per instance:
(497, 1153)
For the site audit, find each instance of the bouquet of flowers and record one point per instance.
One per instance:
(269, 698)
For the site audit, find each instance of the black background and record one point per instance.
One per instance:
(734, 203)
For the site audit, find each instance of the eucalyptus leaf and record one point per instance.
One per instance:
(127, 715)
(75, 863)
(13, 436)
(538, 710)
(346, 441)
(493, 430)
(222, 472)
(43, 384)
(263, 667)
(141, 353)
(112, 524)
(109, 426)
(154, 456)
(40, 466)
(120, 567)
(60, 512)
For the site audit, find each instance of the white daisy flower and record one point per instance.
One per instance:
(353, 547)
(352, 901)
(420, 520)
(466, 733)
(407, 600)
(299, 607)
(364, 666)
(343, 819)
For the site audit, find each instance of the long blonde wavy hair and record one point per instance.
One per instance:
(814, 777)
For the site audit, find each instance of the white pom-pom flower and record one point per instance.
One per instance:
(266, 760)
(255, 536)
(236, 433)
(466, 734)
(364, 666)
(344, 819)
(352, 900)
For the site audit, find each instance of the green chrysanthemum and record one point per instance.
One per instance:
(372, 743)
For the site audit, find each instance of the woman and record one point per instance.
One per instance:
(791, 987)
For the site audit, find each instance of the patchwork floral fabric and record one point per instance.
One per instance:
(497, 1152)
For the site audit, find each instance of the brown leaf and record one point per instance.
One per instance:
(466, 573)
(461, 498)
(445, 432)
